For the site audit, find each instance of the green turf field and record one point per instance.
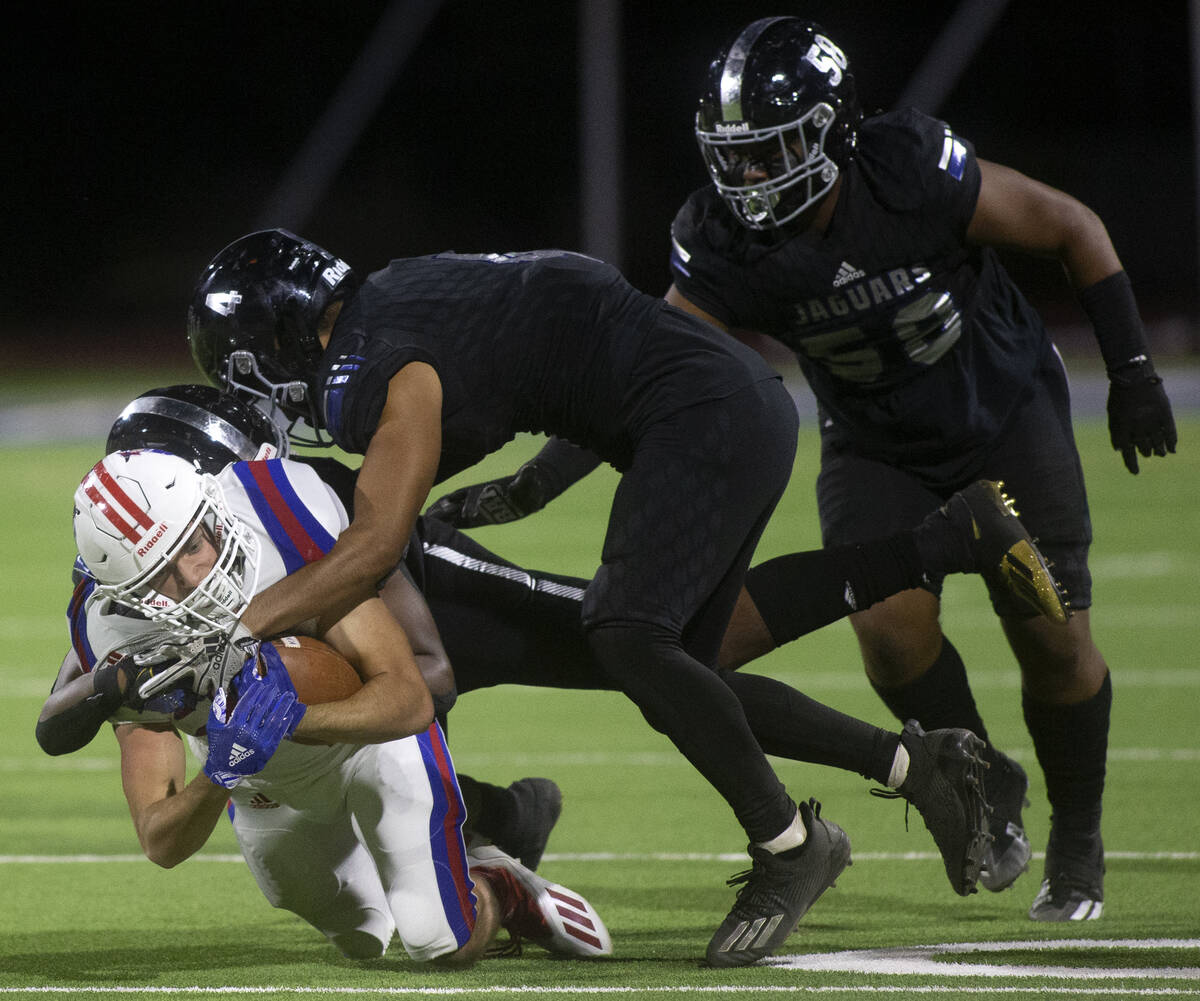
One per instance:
(84, 915)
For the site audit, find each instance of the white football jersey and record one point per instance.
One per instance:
(295, 518)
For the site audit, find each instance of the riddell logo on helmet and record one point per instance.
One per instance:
(148, 544)
(335, 273)
(733, 127)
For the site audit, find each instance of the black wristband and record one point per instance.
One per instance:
(1111, 307)
(73, 727)
(107, 685)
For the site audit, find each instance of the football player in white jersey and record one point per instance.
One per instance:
(335, 829)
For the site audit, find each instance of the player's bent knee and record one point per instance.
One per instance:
(487, 923)
(358, 945)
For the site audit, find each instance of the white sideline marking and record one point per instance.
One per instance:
(738, 989)
(922, 960)
(606, 857)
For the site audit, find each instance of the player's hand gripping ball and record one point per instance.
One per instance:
(318, 672)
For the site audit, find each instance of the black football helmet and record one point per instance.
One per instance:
(253, 318)
(780, 98)
(197, 423)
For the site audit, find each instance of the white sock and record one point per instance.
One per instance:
(899, 770)
(793, 836)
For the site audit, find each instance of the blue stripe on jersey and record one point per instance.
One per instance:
(77, 622)
(335, 390)
(292, 527)
(445, 835)
(954, 156)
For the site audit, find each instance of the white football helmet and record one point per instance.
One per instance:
(134, 512)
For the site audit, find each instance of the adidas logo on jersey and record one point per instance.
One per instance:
(847, 272)
(237, 753)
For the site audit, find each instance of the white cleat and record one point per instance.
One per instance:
(557, 919)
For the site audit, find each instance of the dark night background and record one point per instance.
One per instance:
(142, 138)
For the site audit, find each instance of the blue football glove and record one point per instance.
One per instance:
(274, 671)
(241, 742)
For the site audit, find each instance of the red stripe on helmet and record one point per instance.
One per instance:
(132, 508)
(106, 509)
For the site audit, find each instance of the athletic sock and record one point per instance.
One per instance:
(789, 724)
(792, 837)
(941, 697)
(1071, 742)
(489, 807)
(800, 592)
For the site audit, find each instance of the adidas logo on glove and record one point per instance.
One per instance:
(237, 753)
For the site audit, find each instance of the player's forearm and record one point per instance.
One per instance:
(328, 588)
(174, 828)
(75, 711)
(385, 708)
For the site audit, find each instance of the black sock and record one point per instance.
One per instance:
(789, 724)
(1071, 742)
(798, 593)
(489, 807)
(941, 697)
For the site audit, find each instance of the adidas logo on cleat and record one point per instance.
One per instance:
(575, 921)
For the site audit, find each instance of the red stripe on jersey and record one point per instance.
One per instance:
(452, 823)
(305, 546)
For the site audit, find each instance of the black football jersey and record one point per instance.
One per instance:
(544, 341)
(915, 343)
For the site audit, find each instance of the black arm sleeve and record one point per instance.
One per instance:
(75, 717)
(559, 464)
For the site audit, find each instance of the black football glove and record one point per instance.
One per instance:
(495, 502)
(1139, 414)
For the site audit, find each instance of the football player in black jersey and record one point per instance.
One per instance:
(864, 245)
(433, 362)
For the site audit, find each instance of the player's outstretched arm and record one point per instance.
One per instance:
(1017, 212)
(394, 480)
(173, 818)
(80, 702)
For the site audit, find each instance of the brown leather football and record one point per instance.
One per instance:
(318, 672)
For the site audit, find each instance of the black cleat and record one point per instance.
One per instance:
(538, 802)
(777, 892)
(1008, 854)
(945, 784)
(1073, 882)
(1001, 549)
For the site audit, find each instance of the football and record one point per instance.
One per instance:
(318, 672)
